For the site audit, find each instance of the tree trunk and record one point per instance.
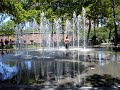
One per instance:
(116, 34)
(94, 36)
(94, 28)
(109, 35)
(89, 29)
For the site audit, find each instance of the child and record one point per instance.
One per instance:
(66, 42)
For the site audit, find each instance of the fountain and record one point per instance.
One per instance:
(49, 35)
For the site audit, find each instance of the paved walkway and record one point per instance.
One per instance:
(37, 87)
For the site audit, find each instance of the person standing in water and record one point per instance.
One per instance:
(66, 42)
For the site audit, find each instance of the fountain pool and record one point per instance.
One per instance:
(60, 68)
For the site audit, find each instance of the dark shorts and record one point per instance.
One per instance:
(66, 46)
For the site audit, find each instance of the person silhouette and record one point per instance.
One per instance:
(6, 45)
(66, 42)
(2, 46)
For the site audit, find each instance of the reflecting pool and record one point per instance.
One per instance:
(61, 68)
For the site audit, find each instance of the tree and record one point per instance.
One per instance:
(7, 29)
(99, 11)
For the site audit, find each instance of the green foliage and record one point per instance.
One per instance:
(99, 11)
(102, 32)
(7, 28)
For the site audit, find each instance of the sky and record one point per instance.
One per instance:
(6, 18)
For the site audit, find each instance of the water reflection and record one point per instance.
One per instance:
(7, 71)
(28, 64)
(65, 67)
